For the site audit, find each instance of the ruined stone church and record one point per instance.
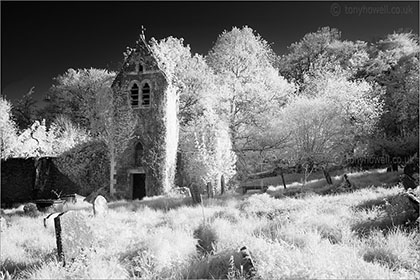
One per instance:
(147, 167)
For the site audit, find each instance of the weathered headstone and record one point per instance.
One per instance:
(101, 191)
(73, 235)
(100, 205)
(49, 220)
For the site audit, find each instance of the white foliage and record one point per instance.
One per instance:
(249, 83)
(207, 150)
(7, 130)
(39, 141)
(330, 115)
(171, 136)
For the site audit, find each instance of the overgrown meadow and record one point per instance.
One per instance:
(364, 234)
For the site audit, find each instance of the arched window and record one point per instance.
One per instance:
(138, 154)
(145, 95)
(134, 95)
(140, 68)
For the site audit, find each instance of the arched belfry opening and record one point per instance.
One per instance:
(145, 97)
(134, 95)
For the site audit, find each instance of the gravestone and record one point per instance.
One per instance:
(49, 220)
(100, 205)
(73, 235)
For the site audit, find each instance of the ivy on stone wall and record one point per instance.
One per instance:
(87, 165)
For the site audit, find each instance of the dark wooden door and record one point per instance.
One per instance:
(139, 186)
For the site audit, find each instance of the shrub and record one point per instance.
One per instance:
(395, 250)
(212, 267)
(230, 214)
(207, 238)
(31, 210)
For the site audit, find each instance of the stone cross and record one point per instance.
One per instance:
(73, 235)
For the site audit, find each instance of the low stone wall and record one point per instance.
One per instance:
(21, 182)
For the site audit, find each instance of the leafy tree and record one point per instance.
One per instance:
(189, 74)
(116, 124)
(66, 135)
(207, 150)
(24, 112)
(35, 141)
(332, 117)
(8, 130)
(204, 139)
(303, 53)
(395, 65)
(40, 141)
(250, 86)
(322, 48)
(74, 93)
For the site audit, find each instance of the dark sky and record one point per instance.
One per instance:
(40, 40)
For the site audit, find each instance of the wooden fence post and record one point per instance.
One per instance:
(58, 239)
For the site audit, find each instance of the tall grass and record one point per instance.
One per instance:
(313, 236)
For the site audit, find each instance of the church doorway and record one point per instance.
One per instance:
(139, 185)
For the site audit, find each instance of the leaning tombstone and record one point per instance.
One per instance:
(49, 220)
(73, 235)
(100, 205)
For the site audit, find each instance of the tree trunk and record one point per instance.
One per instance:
(111, 175)
(327, 176)
(284, 181)
(210, 193)
(195, 193)
(222, 184)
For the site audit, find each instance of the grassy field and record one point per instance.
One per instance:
(361, 234)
